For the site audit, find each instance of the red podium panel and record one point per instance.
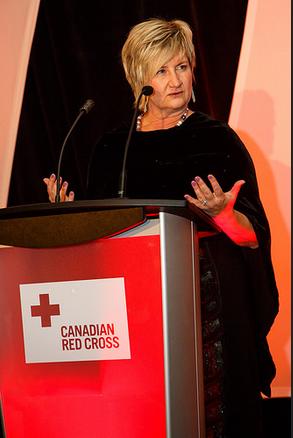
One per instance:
(111, 398)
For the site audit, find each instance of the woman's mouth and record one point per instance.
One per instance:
(175, 94)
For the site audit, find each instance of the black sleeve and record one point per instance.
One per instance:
(258, 260)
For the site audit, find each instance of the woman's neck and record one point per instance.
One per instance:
(152, 121)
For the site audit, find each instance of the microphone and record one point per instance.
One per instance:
(147, 90)
(85, 109)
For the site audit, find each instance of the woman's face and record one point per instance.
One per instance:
(172, 85)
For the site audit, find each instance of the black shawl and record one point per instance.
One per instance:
(161, 165)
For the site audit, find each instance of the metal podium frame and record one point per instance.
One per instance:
(182, 327)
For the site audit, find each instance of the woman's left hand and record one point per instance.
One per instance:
(220, 206)
(213, 202)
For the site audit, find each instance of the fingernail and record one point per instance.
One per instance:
(210, 176)
(197, 179)
(193, 183)
(65, 183)
(53, 175)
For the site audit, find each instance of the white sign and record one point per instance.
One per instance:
(75, 321)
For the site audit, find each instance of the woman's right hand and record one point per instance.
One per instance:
(51, 184)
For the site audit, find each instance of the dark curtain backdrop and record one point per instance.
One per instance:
(76, 56)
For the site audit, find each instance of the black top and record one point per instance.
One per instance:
(161, 165)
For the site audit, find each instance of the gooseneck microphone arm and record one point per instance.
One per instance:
(85, 109)
(146, 91)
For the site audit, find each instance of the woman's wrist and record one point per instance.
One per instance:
(237, 226)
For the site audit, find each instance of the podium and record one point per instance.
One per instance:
(100, 319)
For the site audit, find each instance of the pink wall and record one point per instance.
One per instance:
(17, 23)
(261, 115)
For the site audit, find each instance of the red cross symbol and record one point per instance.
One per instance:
(45, 310)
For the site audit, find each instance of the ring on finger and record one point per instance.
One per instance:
(204, 202)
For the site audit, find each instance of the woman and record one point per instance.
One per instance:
(171, 145)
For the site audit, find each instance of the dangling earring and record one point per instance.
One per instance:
(146, 104)
(193, 96)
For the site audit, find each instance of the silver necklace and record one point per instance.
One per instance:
(179, 123)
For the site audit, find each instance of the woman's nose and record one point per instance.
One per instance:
(174, 80)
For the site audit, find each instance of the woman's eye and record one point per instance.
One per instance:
(161, 71)
(182, 67)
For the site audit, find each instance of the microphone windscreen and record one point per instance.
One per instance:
(87, 106)
(147, 90)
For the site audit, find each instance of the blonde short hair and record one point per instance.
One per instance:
(149, 46)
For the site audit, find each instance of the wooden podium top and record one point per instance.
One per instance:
(67, 223)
